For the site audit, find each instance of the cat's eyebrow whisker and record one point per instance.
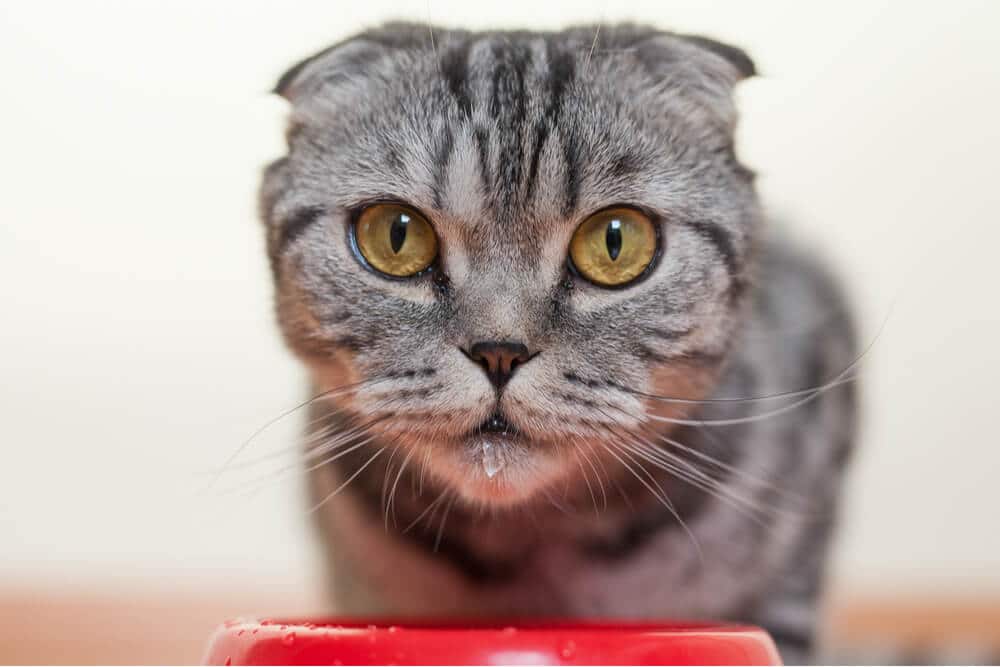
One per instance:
(350, 479)
(430, 29)
(593, 45)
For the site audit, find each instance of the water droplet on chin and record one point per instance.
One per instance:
(492, 462)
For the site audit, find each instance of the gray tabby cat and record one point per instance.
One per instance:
(562, 371)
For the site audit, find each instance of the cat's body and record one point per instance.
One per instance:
(505, 141)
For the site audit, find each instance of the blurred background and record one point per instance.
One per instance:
(138, 348)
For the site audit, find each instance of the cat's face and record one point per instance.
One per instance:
(466, 165)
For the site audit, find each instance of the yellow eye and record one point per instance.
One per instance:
(613, 247)
(395, 239)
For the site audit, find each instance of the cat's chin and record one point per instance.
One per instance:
(492, 469)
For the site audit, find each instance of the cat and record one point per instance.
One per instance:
(562, 366)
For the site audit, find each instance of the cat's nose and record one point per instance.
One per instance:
(499, 359)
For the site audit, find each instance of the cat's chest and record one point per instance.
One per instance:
(560, 572)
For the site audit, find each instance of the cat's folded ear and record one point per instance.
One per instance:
(733, 55)
(697, 56)
(696, 75)
(341, 62)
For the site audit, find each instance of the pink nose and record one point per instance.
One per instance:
(499, 359)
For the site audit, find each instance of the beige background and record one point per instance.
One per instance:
(137, 346)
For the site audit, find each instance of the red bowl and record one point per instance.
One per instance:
(342, 642)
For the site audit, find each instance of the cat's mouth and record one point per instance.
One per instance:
(496, 424)
(494, 445)
(499, 463)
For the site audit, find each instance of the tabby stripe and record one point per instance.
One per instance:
(721, 239)
(295, 224)
(560, 75)
(455, 69)
(441, 161)
(571, 156)
(509, 107)
(482, 146)
(541, 134)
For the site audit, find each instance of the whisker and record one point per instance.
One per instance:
(336, 391)
(841, 378)
(661, 496)
(430, 29)
(395, 484)
(747, 399)
(385, 485)
(426, 510)
(555, 502)
(600, 481)
(593, 45)
(704, 482)
(294, 470)
(711, 460)
(444, 518)
(276, 454)
(586, 480)
(347, 481)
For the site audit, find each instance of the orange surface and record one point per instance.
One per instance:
(87, 625)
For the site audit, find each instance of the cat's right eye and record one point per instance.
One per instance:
(395, 240)
(614, 247)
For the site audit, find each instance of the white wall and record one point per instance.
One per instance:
(137, 346)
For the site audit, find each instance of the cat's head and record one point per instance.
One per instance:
(491, 247)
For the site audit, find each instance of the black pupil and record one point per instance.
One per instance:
(397, 232)
(613, 238)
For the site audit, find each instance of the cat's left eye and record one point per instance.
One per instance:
(395, 240)
(614, 247)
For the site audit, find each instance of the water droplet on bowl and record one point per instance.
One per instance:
(568, 650)
(288, 639)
